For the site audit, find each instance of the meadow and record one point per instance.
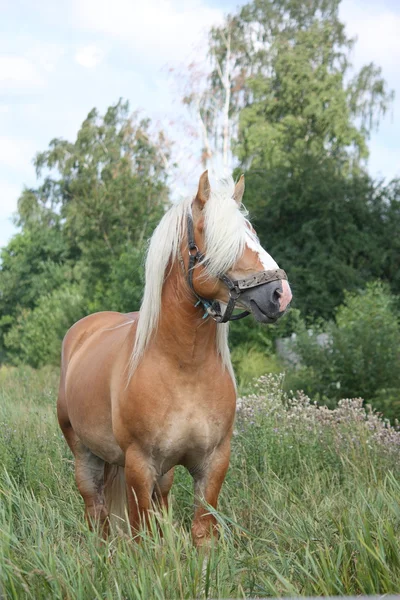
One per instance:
(310, 506)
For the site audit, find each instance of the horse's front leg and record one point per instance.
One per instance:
(140, 479)
(162, 488)
(208, 480)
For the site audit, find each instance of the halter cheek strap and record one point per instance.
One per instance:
(235, 287)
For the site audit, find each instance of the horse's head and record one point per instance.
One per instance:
(227, 259)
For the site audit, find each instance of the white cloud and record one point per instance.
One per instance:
(161, 30)
(28, 69)
(16, 154)
(377, 32)
(18, 72)
(376, 28)
(45, 56)
(89, 56)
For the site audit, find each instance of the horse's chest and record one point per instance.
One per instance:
(189, 437)
(175, 417)
(193, 427)
(181, 427)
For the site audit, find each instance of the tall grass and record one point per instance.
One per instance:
(311, 506)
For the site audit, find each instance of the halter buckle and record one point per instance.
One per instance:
(234, 293)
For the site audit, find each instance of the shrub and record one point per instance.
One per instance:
(36, 337)
(250, 363)
(361, 356)
(301, 432)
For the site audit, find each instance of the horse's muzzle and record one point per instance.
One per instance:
(267, 302)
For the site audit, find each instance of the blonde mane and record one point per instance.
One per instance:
(226, 232)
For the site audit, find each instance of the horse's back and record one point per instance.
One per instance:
(81, 332)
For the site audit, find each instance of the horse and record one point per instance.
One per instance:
(145, 391)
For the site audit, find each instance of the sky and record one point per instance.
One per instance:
(60, 59)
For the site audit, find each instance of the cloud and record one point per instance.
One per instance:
(16, 154)
(45, 56)
(377, 33)
(159, 30)
(26, 63)
(376, 28)
(18, 72)
(89, 56)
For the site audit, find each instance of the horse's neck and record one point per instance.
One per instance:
(182, 332)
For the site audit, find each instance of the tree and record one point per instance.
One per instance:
(211, 92)
(303, 97)
(110, 187)
(35, 262)
(36, 335)
(303, 123)
(87, 222)
(329, 232)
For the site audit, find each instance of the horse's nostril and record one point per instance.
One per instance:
(276, 295)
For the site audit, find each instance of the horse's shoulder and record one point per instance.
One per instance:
(86, 327)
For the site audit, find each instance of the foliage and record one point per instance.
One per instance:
(328, 232)
(36, 336)
(253, 346)
(297, 516)
(317, 432)
(303, 122)
(123, 290)
(303, 100)
(249, 363)
(110, 187)
(86, 224)
(282, 93)
(361, 356)
(292, 86)
(35, 262)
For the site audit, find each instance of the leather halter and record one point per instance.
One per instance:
(235, 286)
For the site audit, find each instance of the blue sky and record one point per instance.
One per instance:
(60, 59)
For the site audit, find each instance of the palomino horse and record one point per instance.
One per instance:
(143, 392)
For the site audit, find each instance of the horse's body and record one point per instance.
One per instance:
(133, 418)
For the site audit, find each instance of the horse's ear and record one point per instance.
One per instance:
(239, 190)
(203, 193)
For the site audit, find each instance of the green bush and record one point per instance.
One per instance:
(263, 337)
(35, 339)
(361, 357)
(250, 363)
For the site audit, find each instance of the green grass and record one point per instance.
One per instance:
(300, 513)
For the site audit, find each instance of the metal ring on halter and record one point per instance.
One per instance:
(191, 248)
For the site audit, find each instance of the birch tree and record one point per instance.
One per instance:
(211, 91)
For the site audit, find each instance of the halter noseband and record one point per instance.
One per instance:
(235, 287)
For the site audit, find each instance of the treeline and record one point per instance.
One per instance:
(281, 99)
(83, 232)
